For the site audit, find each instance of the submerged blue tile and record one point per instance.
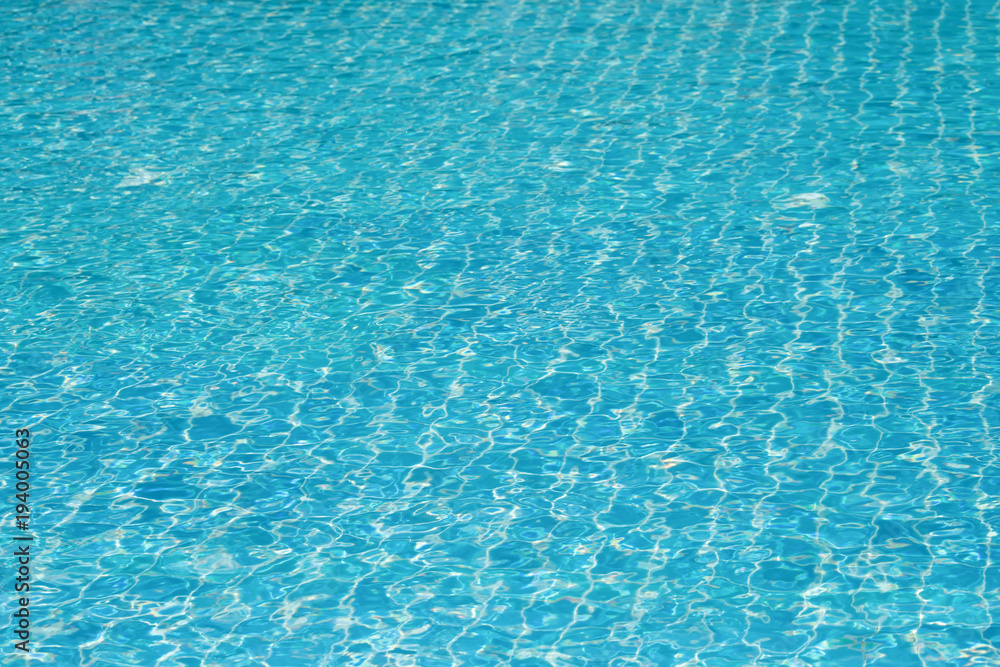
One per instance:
(479, 333)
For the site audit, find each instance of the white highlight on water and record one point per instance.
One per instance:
(810, 199)
(138, 176)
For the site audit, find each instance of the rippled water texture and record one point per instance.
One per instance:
(505, 333)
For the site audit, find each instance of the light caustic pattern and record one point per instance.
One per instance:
(481, 333)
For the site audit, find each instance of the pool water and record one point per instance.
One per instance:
(504, 332)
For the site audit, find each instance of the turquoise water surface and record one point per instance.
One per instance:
(503, 332)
